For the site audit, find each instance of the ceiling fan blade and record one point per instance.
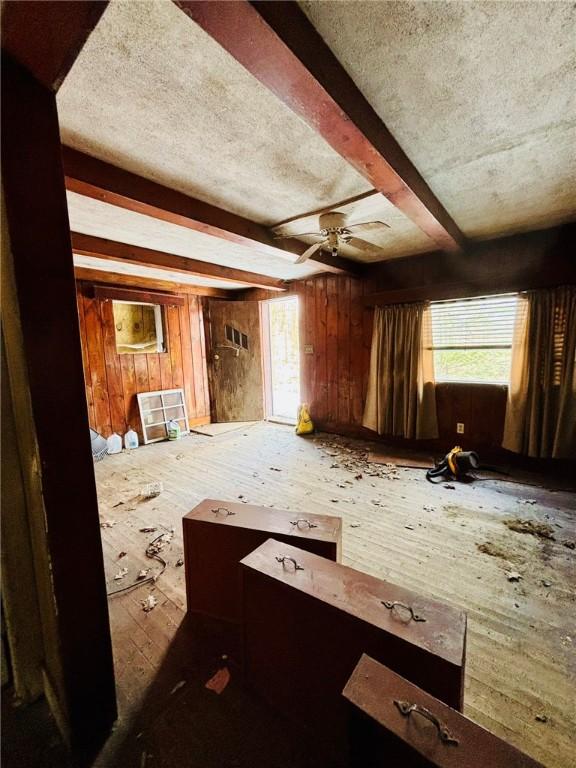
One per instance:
(310, 252)
(300, 234)
(369, 225)
(363, 245)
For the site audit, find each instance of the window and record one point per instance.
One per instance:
(236, 337)
(139, 327)
(472, 338)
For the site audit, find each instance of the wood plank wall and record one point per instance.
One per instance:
(334, 378)
(338, 327)
(112, 381)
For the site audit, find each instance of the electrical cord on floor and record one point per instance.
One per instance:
(152, 551)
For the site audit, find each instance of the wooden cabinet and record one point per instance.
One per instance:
(218, 534)
(395, 723)
(307, 622)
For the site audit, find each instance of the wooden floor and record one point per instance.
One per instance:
(521, 670)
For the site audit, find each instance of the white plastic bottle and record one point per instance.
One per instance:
(114, 443)
(174, 430)
(130, 439)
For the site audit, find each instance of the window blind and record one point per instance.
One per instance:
(486, 322)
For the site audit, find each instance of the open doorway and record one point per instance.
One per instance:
(284, 359)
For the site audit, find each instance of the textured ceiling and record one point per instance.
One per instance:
(154, 94)
(480, 95)
(93, 217)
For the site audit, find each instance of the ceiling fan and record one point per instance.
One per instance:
(334, 230)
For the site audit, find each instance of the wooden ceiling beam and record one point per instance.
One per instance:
(99, 247)
(96, 276)
(277, 44)
(46, 36)
(99, 180)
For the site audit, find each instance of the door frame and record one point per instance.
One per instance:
(82, 692)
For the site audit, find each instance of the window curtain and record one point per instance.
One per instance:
(541, 409)
(401, 398)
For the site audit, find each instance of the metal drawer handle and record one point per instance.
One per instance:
(222, 509)
(406, 708)
(304, 522)
(285, 559)
(396, 604)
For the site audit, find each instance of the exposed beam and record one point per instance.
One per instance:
(46, 36)
(277, 44)
(88, 245)
(101, 181)
(134, 281)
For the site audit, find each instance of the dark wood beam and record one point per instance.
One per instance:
(101, 181)
(88, 245)
(132, 294)
(46, 36)
(540, 259)
(134, 281)
(277, 44)
(79, 665)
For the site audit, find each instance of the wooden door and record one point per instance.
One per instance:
(235, 361)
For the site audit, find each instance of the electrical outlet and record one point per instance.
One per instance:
(460, 428)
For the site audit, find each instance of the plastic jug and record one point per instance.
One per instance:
(114, 443)
(130, 439)
(174, 432)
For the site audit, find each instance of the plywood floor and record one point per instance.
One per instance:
(521, 670)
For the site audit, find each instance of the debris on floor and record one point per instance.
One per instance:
(107, 523)
(219, 681)
(149, 604)
(121, 574)
(179, 562)
(569, 544)
(526, 501)
(177, 687)
(143, 573)
(148, 529)
(152, 490)
(540, 530)
(541, 718)
(513, 575)
(488, 548)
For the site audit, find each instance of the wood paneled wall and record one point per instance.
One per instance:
(113, 380)
(338, 328)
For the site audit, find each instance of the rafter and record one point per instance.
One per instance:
(46, 36)
(277, 44)
(99, 247)
(136, 281)
(99, 180)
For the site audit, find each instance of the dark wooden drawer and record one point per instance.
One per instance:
(386, 731)
(305, 630)
(218, 534)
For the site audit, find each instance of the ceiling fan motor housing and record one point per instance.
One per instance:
(332, 222)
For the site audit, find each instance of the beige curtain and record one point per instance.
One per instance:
(401, 398)
(541, 411)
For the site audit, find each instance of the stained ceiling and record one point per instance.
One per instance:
(479, 95)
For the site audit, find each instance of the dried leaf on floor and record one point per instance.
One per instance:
(219, 681)
(107, 523)
(143, 573)
(540, 530)
(121, 574)
(179, 562)
(149, 604)
(513, 575)
(121, 554)
(148, 529)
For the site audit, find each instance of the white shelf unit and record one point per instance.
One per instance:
(157, 409)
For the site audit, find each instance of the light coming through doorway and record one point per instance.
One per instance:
(284, 357)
